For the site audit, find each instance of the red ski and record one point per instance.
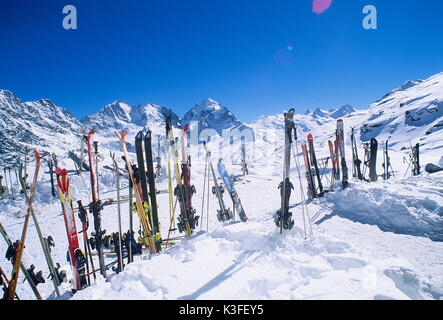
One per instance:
(311, 183)
(76, 256)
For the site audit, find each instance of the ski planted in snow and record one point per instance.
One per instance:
(76, 257)
(95, 207)
(416, 159)
(10, 254)
(332, 154)
(283, 218)
(46, 243)
(386, 162)
(189, 189)
(314, 164)
(373, 145)
(141, 175)
(223, 214)
(20, 244)
(341, 144)
(152, 190)
(356, 162)
(232, 192)
(186, 221)
(140, 208)
(244, 165)
(312, 191)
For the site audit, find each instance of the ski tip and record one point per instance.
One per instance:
(120, 136)
(37, 155)
(61, 172)
(186, 128)
(139, 136)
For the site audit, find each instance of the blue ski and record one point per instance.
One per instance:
(229, 185)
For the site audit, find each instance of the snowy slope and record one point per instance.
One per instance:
(380, 240)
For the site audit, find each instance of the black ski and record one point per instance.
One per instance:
(314, 163)
(283, 218)
(341, 144)
(356, 162)
(152, 190)
(416, 159)
(387, 162)
(373, 159)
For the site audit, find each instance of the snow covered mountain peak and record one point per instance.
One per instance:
(343, 111)
(333, 113)
(211, 114)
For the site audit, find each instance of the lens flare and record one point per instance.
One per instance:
(320, 6)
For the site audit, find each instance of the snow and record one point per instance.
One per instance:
(378, 240)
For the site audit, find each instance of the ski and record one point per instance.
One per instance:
(223, 214)
(312, 193)
(416, 159)
(232, 192)
(142, 177)
(83, 216)
(314, 163)
(189, 189)
(341, 144)
(4, 282)
(152, 190)
(337, 157)
(373, 159)
(51, 176)
(283, 217)
(332, 155)
(244, 165)
(95, 208)
(21, 244)
(2, 188)
(356, 162)
(183, 223)
(141, 210)
(119, 237)
(386, 162)
(46, 243)
(11, 249)
(76, 257)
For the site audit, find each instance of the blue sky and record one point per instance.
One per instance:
(255, 57)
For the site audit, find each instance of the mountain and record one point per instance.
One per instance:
(119, 115)
(39, 124)
(210, 114)
(343, 111)
(412, 112)
(406, 115)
